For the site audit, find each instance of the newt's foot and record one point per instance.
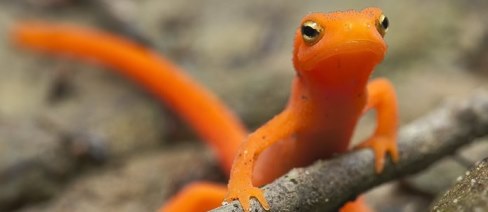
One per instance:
(381, 145)
(244, 194)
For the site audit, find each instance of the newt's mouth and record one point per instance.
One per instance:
(373, 52)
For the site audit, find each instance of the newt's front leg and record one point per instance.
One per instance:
(240, 185)
(381, 96)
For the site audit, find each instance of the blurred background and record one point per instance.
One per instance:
(74, 137)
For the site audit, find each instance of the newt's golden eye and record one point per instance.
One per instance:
(382, 25)
(311, 32)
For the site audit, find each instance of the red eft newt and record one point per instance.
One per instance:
(334, 56)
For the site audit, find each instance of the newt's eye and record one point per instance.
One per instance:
(311, 32)
(382, 25)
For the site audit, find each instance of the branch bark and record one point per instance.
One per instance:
(327, 185)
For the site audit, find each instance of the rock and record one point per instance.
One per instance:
(443, 174)
(437, 178)
(33, 164)
(469, 194)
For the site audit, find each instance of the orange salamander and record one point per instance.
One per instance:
(334, 56)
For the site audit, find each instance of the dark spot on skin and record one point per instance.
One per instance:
(264, 137)
(304, 97)
(299, 75)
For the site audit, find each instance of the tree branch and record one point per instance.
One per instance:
(326, 185)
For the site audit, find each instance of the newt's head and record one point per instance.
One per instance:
(350, 38)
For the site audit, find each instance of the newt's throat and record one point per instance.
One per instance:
(345, 73)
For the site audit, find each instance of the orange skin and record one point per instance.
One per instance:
(329, 94)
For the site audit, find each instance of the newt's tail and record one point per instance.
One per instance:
(205, 113)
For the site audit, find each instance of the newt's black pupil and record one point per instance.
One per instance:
(385, 23)
(309, 31)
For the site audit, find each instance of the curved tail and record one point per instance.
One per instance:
(204, 112)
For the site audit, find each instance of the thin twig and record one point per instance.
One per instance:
(326, 185)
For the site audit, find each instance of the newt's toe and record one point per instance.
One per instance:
(381, 146)
(244, 195)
